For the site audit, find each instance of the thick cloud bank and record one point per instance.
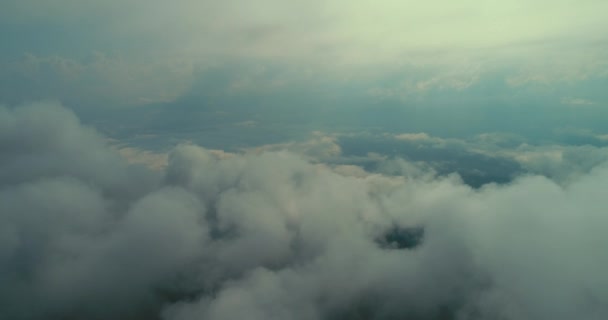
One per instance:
(85, 235)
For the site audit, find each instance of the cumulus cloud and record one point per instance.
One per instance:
(153, 160)
(479, 160)
(321, 147)
(270, 235)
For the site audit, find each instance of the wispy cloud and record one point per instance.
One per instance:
(577, 101)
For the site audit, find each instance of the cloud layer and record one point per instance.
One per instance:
(136, 52)
(270, 235)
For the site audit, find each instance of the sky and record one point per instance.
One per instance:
(304, 160)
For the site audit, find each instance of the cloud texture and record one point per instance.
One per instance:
(134, 52)
(270, 235)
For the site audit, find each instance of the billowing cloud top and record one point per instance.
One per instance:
(269, 235)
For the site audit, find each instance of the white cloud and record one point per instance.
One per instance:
(154, 160)
(269, 235)
(421, 137)
(577, 101)
(320, 147)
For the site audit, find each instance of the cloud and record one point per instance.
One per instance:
(342, 30)
(270, 235)
(102, 80)
(577, 101)
(151, 50)
(421, 136)
(559, 162)
(153, 160)
(321, 147)
(479, 160)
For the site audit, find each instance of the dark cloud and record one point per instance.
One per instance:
(272, 235)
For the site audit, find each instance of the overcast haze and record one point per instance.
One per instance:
(305, 160)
